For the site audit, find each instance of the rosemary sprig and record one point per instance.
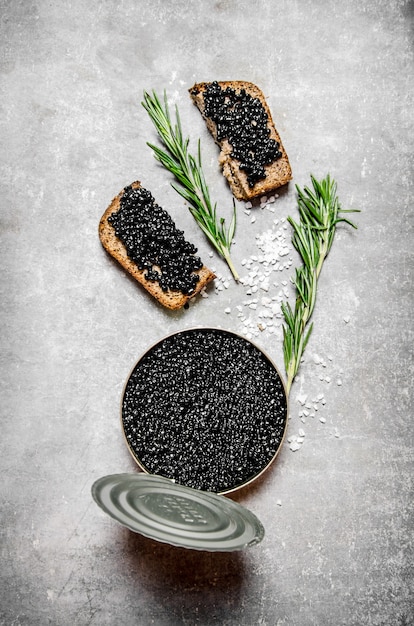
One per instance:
(188, 172)
(313, 235)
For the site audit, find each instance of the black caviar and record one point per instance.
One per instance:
(206, 408)
(243, 120)
(154, 243)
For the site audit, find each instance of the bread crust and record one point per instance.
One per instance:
(114, 246)
(278, 173)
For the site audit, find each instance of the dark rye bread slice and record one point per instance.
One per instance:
(277, 173)
(171, 298)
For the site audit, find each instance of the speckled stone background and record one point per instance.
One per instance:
(338, 511)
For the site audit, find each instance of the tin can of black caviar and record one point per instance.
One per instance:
(206, 408)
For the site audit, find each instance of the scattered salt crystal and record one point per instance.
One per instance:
(248, 205)
(227, 310)
(279, 502)
(294, 446)
(339, 382)
(252, 221)
(301, 399)
(322, 420)
(301, 432)
(347, 319)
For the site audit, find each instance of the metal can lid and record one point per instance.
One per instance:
(161, 509)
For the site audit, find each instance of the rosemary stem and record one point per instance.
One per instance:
(323, 253)
(189, 175)
(319, 215)
(230, 263)
(290, 376)
(294, 362)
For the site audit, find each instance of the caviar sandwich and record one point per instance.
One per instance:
(143, 238)
(252, 156)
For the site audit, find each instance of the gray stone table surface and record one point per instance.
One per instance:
(337, 504)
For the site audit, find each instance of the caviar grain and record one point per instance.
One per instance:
(242, 120)
(154, 243)
(206, 408)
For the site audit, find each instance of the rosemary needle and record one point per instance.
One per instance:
(189, 175)
(313, 235)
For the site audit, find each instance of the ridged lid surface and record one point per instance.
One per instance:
(160, 509)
